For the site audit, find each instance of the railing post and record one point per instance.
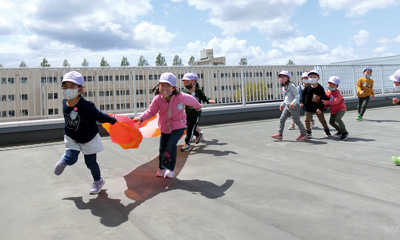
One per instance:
(242, 85)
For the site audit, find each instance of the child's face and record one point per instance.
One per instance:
(188, 82)
(166, 87)
(283, 78)
(397, 83)
(332, 85)
(368, 72)
(313, 75)
(69, 85)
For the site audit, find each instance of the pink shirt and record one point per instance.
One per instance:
(336, 101)
(171, 115)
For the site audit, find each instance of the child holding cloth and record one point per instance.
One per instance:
(169, 104)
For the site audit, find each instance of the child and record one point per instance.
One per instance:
(396, 82)
(338, 107)
(289, 106)
(364, 92)
(190, 80)
(311, 100)
(170, 106)
(304, 82)
(81, 132)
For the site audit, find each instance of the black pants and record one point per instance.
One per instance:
(362, 105)
(192, 123)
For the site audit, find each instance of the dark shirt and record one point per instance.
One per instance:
(310, 93)
(200, 96)
(80, 120)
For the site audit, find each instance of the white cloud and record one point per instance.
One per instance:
(152, 35)
(390, 40)
(361, 38)
(356, 8)
(302, 45)
(270, 17)
(381, 49)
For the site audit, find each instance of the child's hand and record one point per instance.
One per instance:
(373, 97)
(362, 92)
(301, 105)
(324, 101)
(281, 107)
(396, 100)
(291, 106)
(211, 101)
(137, 119)
(198, 109)
(319, 111)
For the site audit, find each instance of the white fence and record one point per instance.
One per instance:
(34, 93)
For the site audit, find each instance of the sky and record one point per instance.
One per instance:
(265, 32)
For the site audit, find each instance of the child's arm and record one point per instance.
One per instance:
(153, 109)
(189, 100)
(336, 100)
(99, 116)
(296, 95)
(359, 89)
(204, 98)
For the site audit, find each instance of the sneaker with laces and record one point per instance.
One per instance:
(327, 133)
(277, 136)
(292, 126)
(338, 134)
(309, 135)
(359, 117)
(161, 172)
(59, 168)
(302, 137)
(186, 148)
(344, 136)
(169, 174)
(396, 160)
(199, 138)
(96, 187)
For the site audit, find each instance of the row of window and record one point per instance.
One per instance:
(11, 80)
(249, 74)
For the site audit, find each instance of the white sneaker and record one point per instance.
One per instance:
(169, 174)
(96, 187)
(161, 172)
(186, 148)
(199, 138)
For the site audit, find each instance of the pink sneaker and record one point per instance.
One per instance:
(277, 136)
(302, 138)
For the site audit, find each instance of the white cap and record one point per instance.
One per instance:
(168, 78)
(313, 71)
(74, 77)
(286, 73)
(304, 75)
(190, 76)
(334, 80)
(395, 77)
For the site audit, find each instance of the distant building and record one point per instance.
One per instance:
(371, 61)
(207, 58)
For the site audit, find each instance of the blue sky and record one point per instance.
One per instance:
(266, 32)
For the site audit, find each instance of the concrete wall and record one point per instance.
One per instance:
(40, 131)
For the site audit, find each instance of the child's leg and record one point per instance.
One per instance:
(191, 126)
(340, 122)
(91, 163)
(360, 101)
(163, 145)
(296, 118)
(169, 158)
(322, 120)
(285, 114)
(308, 121)
(332, 122)
(70, 157)
(364, 105)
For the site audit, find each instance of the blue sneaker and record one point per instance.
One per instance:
(96, 187)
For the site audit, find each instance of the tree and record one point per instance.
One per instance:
(291, 63)
(85, 63)
(243, 61)
(1, 65)
(177, 61)
(142, 61)
(23, 64)
(45, 63)
(124, 62)
(104, 63)
(192, 61)
(160, 60)
(66, 63)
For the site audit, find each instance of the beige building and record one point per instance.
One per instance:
(207, 58)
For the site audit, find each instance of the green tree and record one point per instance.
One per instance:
(45, 63)
(160, 60)
(85, 63)
(291, 63)
(124, 62)
(104, 63)
(66, 63)
(177, 61)
(23, 64)
(192, 61)
(243, 61)
(142, 61)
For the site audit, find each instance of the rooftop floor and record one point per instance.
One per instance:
(237, 184)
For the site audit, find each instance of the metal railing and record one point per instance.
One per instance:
(34, 93)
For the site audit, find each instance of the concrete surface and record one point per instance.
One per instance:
(237, 184)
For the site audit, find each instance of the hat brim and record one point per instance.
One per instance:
(166, 81)
(391, 77)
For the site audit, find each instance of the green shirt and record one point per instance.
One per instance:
(201, 97)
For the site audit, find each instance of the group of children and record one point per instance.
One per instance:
(311, 98)
(81, 130)
(178, 111)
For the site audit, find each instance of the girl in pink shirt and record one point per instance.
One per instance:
(169, 104)
(338, 108)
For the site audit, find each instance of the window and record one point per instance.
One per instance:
(52, 96)
(7, 80)
(11, 113)
(91, 94)
(24, 112)
(139, 77)
(24, 80)
(122, 92)
(101, 107)
(88, 78)
(105, 78)
(48, 79)
(4, 113)
(105, 93)
(51, 112)
(3, 98)
(24, 96)
(122, 78)
(3, 81)
(10, 98)
(139, 91)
